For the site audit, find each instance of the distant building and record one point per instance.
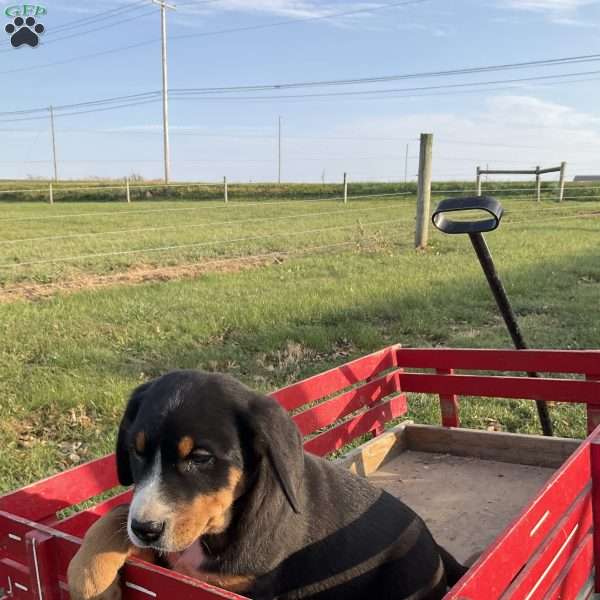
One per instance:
(586, 178)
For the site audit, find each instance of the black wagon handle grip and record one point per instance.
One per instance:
(443, 215)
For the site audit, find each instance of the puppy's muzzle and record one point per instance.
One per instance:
(148, 532)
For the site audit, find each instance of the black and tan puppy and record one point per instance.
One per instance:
(224, 492)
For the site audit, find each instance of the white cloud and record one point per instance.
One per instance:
(511, 131)
(287, 8)
(560, 12)
(508, 131)
(551, 5)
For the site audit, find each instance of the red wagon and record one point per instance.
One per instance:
(538, 515)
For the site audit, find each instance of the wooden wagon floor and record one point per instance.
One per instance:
(465, 501)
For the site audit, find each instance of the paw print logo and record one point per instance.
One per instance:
(24, 31)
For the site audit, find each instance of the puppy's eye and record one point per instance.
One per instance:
(201, 457)
(137, 452)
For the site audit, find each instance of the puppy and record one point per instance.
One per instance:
(224, 492)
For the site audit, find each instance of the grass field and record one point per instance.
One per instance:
(305, 286)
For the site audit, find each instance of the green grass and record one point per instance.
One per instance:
(68, 362)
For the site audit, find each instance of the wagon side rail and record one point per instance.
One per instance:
(439, 372)
(548, 550)
(40, 556)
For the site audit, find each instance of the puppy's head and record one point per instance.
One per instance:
(192, 443)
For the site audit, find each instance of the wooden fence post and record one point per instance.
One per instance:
(127, 192)
(479, 181)
(538, 184)
(51, 195)
(225, 190)
(561, 184)
(424, 191)
(345, 188)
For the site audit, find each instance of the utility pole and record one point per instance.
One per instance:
(165, 85)
(53, 143)
(279, 153)
(406, 165)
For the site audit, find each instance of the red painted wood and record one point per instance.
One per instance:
(167, 584)
(339, 436)
(335, 380)
(546, 564)
(13, 574)
(44, 498)
(557, 390)
(338, 407)
(449, 404)
(595, 468)
(542, 361)
(42, 568)
(593, 408)
(80, 522)
(575, 574)
(497, 567)
(12, 538)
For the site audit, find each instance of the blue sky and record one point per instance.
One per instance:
(503, 125)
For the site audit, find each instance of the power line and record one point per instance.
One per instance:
(212, 33)
(87, 21)
(119, 49)
(100, 101)
(568, 60)
(50, 39)
(202, 93)
(84, 112)
(344, 13)
(101, 16)
(78, 33)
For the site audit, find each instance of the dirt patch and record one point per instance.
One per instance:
(136, 275)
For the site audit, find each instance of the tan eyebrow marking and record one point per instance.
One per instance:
(140, 441)
(185, 446)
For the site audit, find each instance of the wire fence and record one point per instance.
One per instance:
(61, 244)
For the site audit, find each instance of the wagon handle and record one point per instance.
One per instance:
(487, 217)
(488, 214)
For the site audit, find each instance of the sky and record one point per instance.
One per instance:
(97, 50)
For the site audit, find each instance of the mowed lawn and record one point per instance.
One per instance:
(40, 243)
(337, 282)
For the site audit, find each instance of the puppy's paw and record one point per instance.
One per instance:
(97, 580)
(94, 571)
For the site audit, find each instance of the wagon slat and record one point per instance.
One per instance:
(526, 388)
(335, 380)
(43, 499)
(330, 411)
(339, 436)
(558, 548)
(542, 361)
(575, 573)
(80, 522)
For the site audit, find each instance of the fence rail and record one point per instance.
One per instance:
(538, 172)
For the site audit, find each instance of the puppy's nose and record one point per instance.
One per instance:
(147, 531)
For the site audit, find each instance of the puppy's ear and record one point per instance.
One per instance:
(122, 452)
(277, 439)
